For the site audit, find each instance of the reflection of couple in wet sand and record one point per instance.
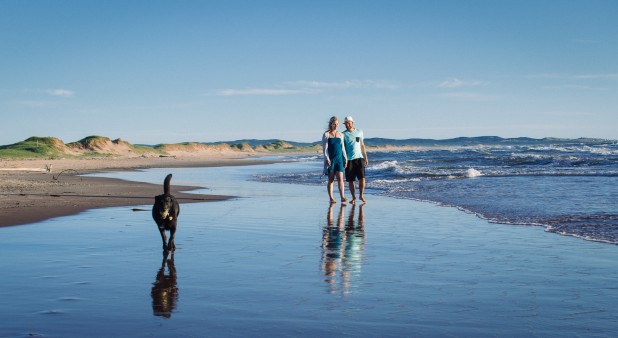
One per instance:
(164, 290)
(343, 246)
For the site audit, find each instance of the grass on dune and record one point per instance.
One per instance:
(34, 147)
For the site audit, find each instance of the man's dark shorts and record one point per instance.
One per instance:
(355, 169)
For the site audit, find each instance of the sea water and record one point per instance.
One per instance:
(569, 188)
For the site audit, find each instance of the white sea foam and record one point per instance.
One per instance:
(530, 155)
(309, 158)
(390, 181)
(603, 151)
(396, 166)
(384, 165)
(471, 173)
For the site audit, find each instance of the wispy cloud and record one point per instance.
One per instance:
(605, 76)
(458, 83)
(308, 87)
(597, 76)
(345, 84)
(263, 91)
(468, 96)
(573, 86)
(60, 92)
(544, 76)
(591, 81)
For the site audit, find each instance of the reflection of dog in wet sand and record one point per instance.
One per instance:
(164, 290)
(165, 213)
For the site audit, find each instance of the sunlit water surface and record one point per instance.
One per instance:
(280, 261)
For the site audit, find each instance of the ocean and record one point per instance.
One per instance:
(568, 188)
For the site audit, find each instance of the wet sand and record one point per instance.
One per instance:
(281, 261)
(29, 193)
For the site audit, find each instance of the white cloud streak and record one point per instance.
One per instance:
(304, 87)
(468, 96)
(263, 91)
(607, 76)
(457, 83)
(61, 92)
(345, 84)
(573, 86)
(599, 76)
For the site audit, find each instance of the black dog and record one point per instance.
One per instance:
(165, 213)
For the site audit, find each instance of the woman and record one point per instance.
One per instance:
(335, 158)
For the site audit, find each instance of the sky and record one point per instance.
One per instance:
(154, 72)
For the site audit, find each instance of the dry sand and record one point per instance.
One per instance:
(33, 190)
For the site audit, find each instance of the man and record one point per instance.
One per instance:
(354, 142)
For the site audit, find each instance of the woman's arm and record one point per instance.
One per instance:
(325, 147)
(345, 155)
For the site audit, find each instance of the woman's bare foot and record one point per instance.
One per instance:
(362, 198)
(353, 201)
(332, 201)
(343, 199)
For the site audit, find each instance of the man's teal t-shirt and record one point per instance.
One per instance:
(352, 141)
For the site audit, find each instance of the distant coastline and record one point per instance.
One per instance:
(100, 146)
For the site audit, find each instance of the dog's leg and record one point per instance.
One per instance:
(171, 245)
(164, 238)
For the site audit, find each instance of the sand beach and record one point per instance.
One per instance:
(33, 190)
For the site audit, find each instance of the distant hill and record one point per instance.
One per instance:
(255, 143)
(91, 146)
(100, 146)
(419, 142)
(480, 140)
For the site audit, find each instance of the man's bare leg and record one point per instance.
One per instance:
(361, 189)
(352, 191)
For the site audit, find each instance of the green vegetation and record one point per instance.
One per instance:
(34, 147)
(89, 142)
(141, 150)
(280, 146)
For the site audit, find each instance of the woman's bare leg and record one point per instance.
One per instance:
(329, 186)
(341, 186)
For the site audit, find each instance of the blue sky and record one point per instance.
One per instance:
(174, 71)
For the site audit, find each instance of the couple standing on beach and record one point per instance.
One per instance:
(344, 152)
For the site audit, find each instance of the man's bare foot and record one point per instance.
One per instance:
(353, 201)
(332, 201)
(362, 198)
(343, 199)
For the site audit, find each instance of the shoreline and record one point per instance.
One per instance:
(29, 193)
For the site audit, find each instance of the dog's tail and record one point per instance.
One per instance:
(166, 184)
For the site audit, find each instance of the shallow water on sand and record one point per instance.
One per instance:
(279, 261)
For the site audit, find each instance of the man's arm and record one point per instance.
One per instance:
(364, 150)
